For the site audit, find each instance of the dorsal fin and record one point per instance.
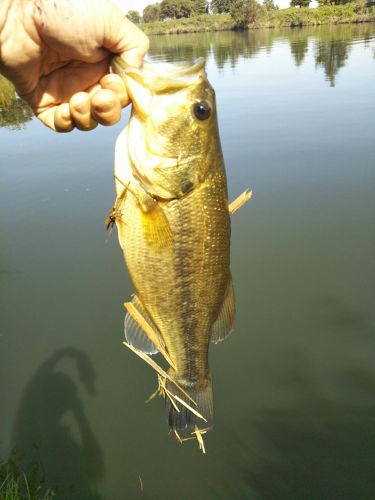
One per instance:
(223, 325)
(240, 201)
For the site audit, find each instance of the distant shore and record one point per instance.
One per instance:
(289, 18)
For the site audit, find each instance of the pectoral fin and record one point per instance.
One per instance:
(141, 332)
(223, 325)
(240, 201)
(156, 227)
(155, 224)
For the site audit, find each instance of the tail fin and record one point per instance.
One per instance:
(186, 419)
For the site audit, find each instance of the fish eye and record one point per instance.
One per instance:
(202, 110)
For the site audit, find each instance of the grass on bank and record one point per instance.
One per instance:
(330, 14)
(288, 18)
(15, 485)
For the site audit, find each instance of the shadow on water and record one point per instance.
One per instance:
(51, 427)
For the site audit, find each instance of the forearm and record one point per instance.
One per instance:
(4, 10)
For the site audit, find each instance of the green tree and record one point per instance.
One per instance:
(176, 9)
(221, 6)
(246, 12)
(270, 5)
(200, 6)
(134, 16)
(300, 3)
(151, 13)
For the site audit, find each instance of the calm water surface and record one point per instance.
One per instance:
(295, 384)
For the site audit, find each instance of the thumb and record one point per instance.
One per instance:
(123, 37)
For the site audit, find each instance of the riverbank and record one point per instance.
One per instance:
(288, 18)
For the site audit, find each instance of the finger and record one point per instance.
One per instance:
(63, 121)
(115, 83)
(123, 37)
(106, 107)
(47, 117)
(80, 110)
(93, 89)
(136, 45)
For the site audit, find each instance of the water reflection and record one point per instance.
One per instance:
(332, 56)
(225, 46)
(51, 426)
(331, 46)
(299, 47)
(230, 48)
(14, 112)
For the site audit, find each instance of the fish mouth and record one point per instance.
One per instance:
(184, 72)
(157, 78)
(180, 71)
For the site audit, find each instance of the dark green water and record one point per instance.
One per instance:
(295, 384)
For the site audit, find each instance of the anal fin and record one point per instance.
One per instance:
(141, 332)
(223, 325)
(240, 201)
(137, 321)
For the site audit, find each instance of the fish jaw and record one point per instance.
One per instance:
(169, 147)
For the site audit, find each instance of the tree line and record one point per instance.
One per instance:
(178, 9)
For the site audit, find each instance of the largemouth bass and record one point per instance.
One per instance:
(173, 224)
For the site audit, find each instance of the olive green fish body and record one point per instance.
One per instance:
(174, 225)
(182, 286)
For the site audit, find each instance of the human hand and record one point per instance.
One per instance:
(57, 54)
